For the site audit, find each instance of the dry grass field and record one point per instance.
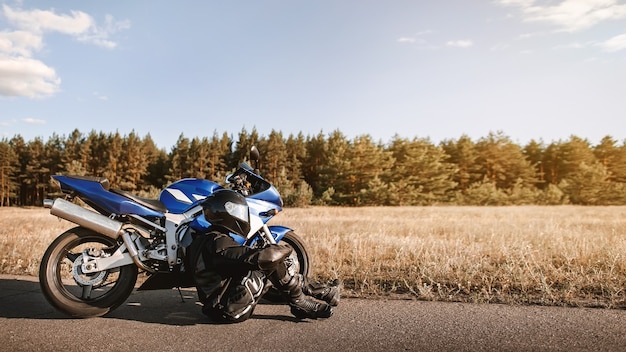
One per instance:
(562, 255)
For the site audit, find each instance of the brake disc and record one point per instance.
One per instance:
(293, 265)
(91, 279)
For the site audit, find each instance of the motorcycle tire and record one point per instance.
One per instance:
(299, 255)
(301, 260)
(78, 294)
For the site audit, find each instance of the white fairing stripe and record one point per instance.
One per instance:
(179, 195)
(255, 225)
(199, 196)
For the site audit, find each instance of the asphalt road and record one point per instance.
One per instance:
(160, 321)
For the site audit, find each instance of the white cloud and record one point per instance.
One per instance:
(416, 38)
(78, 24)
(460, 43)
(530, 35)
(26, 77)
(7, 123)
(405, 40)
(39, 21)
(576, 15)
(424, 32)
(23, 75)
(522, 3)
(21, 43)
(100, 96)
(616, 43)
(569, 15)
(100, 35)
(32, 121)
(500, 47)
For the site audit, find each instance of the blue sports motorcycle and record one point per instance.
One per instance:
(92, 268)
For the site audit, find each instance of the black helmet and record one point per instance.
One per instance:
(229, 210)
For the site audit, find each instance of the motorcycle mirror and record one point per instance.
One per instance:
(254, 154)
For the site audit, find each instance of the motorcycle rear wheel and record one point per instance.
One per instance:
(78, 294)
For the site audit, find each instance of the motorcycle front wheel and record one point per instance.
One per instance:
(298, 260)
(78, 294)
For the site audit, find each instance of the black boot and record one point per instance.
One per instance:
(306, 307)
(327, 293)
(303, 306)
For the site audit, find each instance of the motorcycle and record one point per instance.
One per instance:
(91, 269)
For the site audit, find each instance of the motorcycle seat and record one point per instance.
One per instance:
(153, 204)
(101, 180)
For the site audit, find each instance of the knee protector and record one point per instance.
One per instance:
(269, 257)
(239, 299)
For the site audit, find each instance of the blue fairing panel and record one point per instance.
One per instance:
(270, 195)
(183, 195)
(279, 232)
(200, 224)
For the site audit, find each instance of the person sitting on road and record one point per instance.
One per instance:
(230, 278)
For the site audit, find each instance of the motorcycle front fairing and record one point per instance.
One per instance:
(269, 199)
(264, 203)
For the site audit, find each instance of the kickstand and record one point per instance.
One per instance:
(182, 299)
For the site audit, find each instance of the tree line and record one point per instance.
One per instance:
(331, 169)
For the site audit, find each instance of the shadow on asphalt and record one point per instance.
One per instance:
(21, 298)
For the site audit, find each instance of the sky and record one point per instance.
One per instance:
(541, 70)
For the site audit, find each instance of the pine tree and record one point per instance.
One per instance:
(552, 163)
(179, 159)
(20, 148)
(274, 154)
(53, 162)
(573, 153)
(420, 172)
(243, 145)
(8, 170)
(534, 151)
(462, 153)
(366, 160)
(589, 185)
(503, 163)
(314, 162)
(97, 160)
(36, 175)
(296, 155)
(219, 155)
(199, 156)
(336, 172)
(158, 166)
(77, 151)
(114, 152)
(613, 158)
(133, 163)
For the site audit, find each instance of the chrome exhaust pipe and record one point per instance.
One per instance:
(84, 217)
(96, 222)
(132, 250)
